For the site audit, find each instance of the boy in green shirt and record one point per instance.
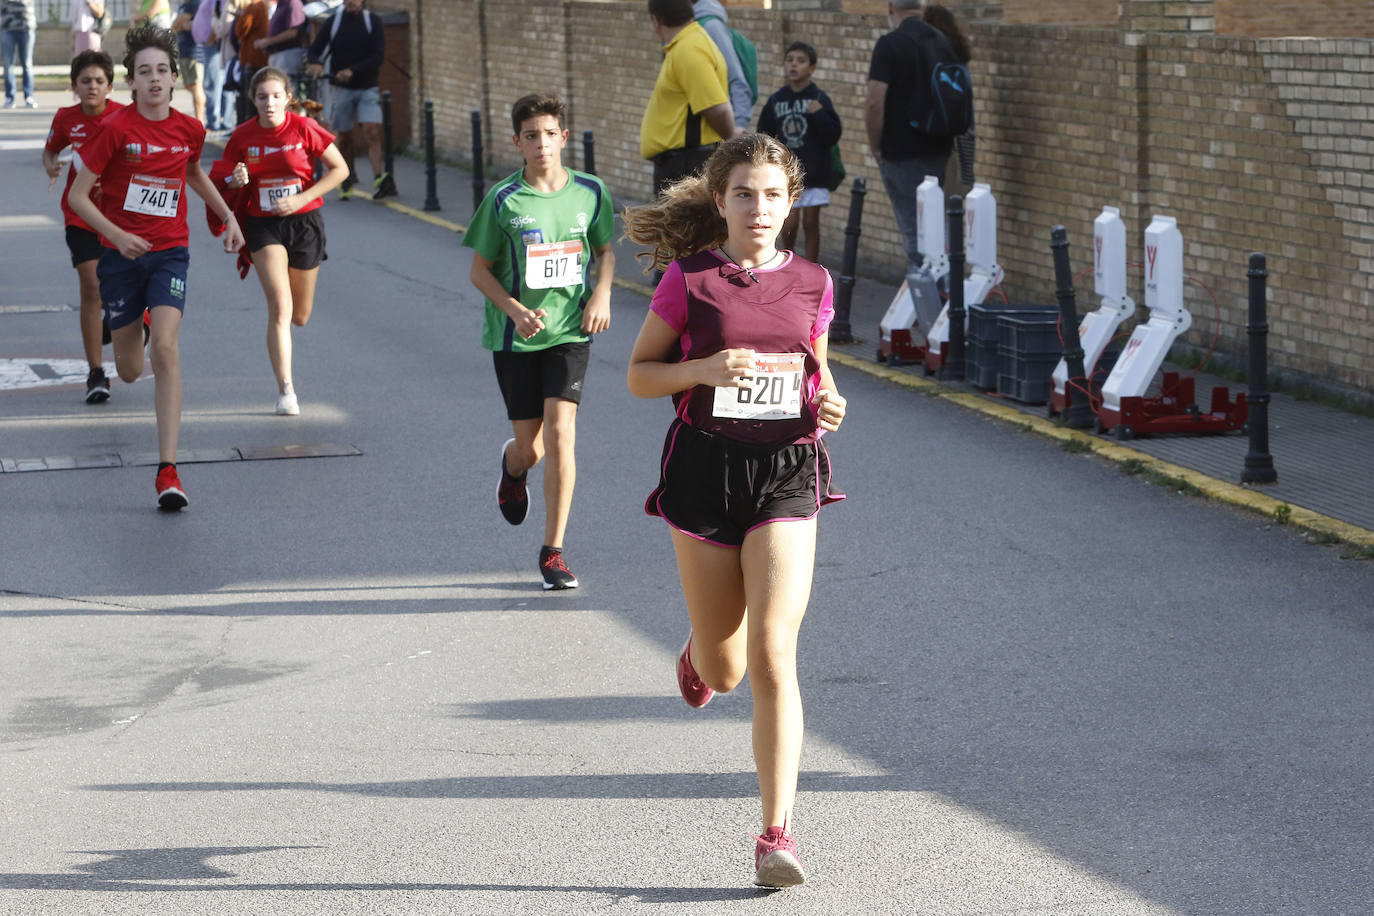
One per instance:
(534, 239)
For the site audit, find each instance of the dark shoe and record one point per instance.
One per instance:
(383, 186)
(346, 189)
(511, 495)
(97, 386)
(555, 572)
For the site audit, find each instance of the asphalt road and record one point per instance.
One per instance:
(333, 684)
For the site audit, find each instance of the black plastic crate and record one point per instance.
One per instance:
(981, 374)
(1027, 391)
(1031, 334)
(1025, 377)
(980, 361)
(984, 319)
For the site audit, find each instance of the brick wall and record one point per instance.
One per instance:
(1063, 12)
(1253, 144)
(1257, 146)
(1278, 18)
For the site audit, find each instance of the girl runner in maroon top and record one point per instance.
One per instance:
(737, 335)
(274, 156)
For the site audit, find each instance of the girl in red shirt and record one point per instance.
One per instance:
(737, 334)
(92, 79)
(273, 159)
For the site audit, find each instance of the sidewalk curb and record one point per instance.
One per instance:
(1210, 487)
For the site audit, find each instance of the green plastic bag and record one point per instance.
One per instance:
(836, 169)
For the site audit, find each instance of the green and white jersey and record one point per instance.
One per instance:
(540, 246)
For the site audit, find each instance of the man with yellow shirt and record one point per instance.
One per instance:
(689, 111)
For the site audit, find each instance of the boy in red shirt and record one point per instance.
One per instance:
(144, 156)
(92, 77)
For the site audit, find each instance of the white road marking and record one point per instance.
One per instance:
(40, 372)
(25, 222)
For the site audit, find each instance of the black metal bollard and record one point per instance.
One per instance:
(840, 329)
(952, 367)
(431, 168)
(1078, 410)
(1259, 464)
(479, 181)
(388, 159)
(588, 153)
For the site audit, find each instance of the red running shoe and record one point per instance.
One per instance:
(171, 496)
(775, 859)
(696, 693)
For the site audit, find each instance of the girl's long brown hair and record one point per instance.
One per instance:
(684, 219)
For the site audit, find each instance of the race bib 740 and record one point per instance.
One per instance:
(153, 196)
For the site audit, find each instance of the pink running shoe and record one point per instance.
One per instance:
(775, 859)
(693, 690)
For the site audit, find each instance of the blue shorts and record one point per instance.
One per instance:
(128, 287)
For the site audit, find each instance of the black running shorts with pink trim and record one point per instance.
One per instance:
(717, 489)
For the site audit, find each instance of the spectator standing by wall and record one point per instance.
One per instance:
(85, 35)
(353, 43)
(249, 26)
(157, 12)
(191, 61)
(904, 155)
(287, 35)
(803, 117)
(212, 64)
(711, 16)
(689, 111)
(944, 20)
(18, 29)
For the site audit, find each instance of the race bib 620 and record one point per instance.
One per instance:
(774, 393)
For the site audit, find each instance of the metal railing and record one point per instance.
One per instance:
(51, 11)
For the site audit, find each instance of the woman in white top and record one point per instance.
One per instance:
(84, 34)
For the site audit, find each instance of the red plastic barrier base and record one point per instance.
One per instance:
(900, 349)
(1175, 411)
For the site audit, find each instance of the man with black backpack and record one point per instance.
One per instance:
(919, 100)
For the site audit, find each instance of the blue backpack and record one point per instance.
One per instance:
(943, 106)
